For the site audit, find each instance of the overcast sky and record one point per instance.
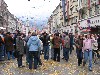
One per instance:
(40, 9)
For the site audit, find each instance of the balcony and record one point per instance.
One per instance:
(61, 17)
(94, 2)
(74, 4)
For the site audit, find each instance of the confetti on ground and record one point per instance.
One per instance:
(49, 68)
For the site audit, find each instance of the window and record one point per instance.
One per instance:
(85, 2)
(62, 23)
(96, 21)
(96, 9)
(71, 10)
(83, 13)
(90, 12)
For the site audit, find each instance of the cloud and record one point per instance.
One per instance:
(38, 9)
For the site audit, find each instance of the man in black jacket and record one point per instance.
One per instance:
(45, 39)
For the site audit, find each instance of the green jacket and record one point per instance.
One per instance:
(67, 42)
(20, 45)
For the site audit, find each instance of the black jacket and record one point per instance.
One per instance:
(45, 40)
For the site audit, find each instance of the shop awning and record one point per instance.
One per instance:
(86, 30)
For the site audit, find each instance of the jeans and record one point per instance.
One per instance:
(19, 60)
(57, 54)
(27, 54)
(36, 59)
(79, 56)
(0, 52)
(66, 53)
(71, 48)
(8, 54)
(46, 52)
(86, 55)
(52, 53)
(39, 60)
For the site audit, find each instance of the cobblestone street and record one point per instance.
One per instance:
(49, 68)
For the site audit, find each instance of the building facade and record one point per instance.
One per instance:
(12, 23)
(56, 20)
(76, 15)
(71, 16)
(7, 20)
(89, 14)
(3, 14)
(50, 24)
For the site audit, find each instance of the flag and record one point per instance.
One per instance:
(99, 2)
(68, 10)
(88, 4)
(63, 7)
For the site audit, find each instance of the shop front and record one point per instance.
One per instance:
(90, 25)
(95, 30)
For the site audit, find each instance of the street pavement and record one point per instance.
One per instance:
(49, 67)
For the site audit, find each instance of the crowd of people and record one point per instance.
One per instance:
(33, 45)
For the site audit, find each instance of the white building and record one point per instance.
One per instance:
(57, 19)
(12, 23)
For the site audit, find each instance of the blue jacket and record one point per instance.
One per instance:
(33, 43)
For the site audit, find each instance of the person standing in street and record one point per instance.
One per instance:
(20, 49)
(1, 46)
(52, 49)
(27, 49)
(45, 40)
(56, 45)
(79, 45)
(34, 47)
(15, 36)
(9, 45)
(98, 41)
(87, 49)
(71, 42)
(66, 46)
